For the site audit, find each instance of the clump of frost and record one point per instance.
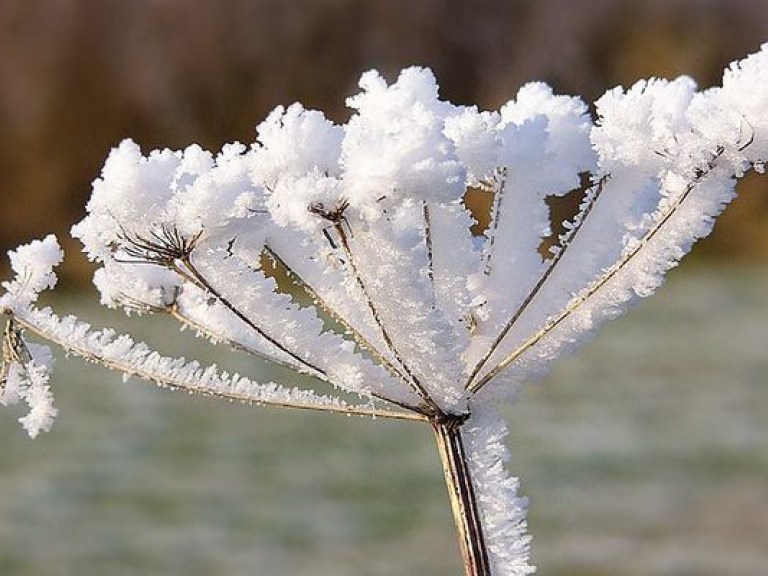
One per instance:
(476, 138)
(221, 196)
(295, 141)
(297, 160)
(745, 91)
(641, 127)
(566, 122)
(33, 265)
(132, 196)
(292, 197)
(395, 147)
(152, 287)
(29, 383)
(141, 200)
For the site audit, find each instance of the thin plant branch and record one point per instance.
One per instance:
(175, 312)
(428, 244)
(163, 380)
(190, 269)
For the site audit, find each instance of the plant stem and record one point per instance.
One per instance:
(461, 491)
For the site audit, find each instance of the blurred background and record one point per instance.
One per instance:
(647, 454)
(77, 76)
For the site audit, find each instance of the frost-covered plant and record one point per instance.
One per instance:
(412, 314)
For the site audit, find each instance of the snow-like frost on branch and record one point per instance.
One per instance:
(368, 221)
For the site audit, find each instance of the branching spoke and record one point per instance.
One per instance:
(167, 381)
(531, 297)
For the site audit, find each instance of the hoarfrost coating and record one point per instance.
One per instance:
(411, 312)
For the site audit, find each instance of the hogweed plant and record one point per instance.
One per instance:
(414, 316)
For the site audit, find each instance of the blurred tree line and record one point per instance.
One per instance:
(77, 76)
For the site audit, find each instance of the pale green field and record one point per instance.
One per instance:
(646, 454)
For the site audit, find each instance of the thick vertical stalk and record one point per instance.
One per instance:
(461, 491)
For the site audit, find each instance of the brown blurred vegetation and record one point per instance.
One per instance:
(77, 76)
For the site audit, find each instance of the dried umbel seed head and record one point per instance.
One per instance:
(334, 214)
(406, 309)
(163, 247)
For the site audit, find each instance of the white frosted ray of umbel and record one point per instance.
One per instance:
(396, 160)
(122, 353)
(391, 258)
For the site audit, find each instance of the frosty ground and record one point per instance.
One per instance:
(645, 454)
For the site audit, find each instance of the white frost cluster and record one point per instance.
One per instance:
(26, 367)
(33, 265)
(367, 220)
(28, 383)
(395, 148)
(503, 510)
